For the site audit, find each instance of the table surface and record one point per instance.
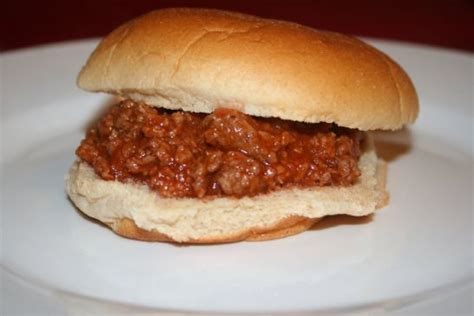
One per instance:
(435, 22)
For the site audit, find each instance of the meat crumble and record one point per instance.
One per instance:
(225, 153)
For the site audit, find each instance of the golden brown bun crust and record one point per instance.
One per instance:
(287, 227)
(198, 60)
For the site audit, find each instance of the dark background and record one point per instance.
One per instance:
(440, 23)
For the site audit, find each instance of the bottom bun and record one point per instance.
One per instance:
(289, 226)
(134, 211)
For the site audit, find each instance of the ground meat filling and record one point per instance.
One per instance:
(225, 153)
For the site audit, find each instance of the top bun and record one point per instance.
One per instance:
(198, 60)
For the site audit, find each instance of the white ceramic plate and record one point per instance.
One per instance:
(417, 247)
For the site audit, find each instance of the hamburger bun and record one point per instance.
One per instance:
(199, 60)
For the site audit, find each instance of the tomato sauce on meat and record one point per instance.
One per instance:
(225, 153)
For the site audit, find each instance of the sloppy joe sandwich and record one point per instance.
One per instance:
(231, 127)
